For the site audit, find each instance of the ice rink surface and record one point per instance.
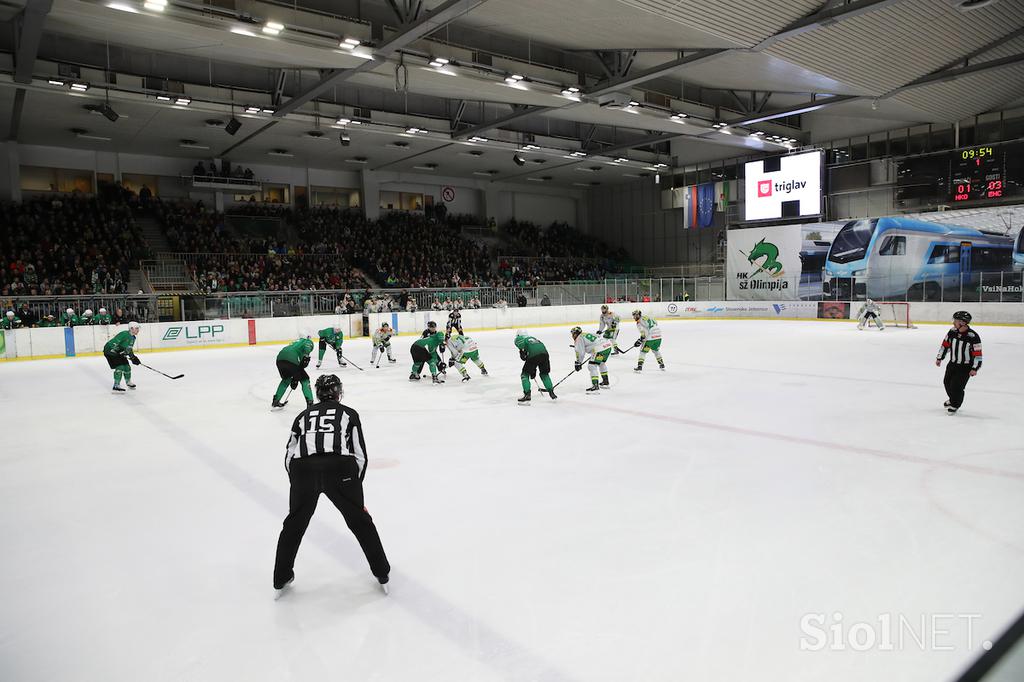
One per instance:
(683, 525)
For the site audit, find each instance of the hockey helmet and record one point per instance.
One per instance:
(431, 324)
(88, 312)
(455, 313)
(10, 314)
(963, 316)
(637, 314)
(103, 311)
(521, 333)
(337, 328)
(604, 309)
(575, 331)
(384, 325)
(70, 311)
(134, 326)
(328, 387)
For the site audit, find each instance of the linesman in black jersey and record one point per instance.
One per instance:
(964, 347)
(326, 454)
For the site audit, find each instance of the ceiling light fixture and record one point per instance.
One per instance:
(163, 98)
(439, 62)
(121, 7)
(155, 5)
(79, 87)
(183, 101)
(677, 117)
(477, 138)
(342, 121)
(529, 148)
(273, 28)
(350, 43)
(58, 83)
(578, 155)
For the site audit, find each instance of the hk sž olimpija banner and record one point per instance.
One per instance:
(763, 263)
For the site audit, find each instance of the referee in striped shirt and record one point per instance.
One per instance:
(326, 454)
(964, 347)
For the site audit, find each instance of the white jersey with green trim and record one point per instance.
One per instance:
(608, 320)
(648, 328)
(588, 344)
(460, 345)
(382, 336)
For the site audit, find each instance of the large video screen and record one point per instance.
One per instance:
(783, 187)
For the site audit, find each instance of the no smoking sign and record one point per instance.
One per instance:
(448, 194)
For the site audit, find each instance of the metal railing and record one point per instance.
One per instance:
(167, 273)
(133, 307)
(633, 289)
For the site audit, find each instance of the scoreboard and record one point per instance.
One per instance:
(977, 173)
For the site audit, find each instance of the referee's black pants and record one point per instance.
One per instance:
(336, 476)
(956, 379)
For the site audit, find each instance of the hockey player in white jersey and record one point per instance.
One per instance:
(464, 348)
(868, 312)
(608, 326)
(382, 343)
(650, 339)
(599, 350)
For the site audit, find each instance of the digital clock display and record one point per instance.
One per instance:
(977, 173)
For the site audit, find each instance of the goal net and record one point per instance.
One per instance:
(896, 314)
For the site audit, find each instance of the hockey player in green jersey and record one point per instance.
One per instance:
(608, 326)
(650, 339)
(69, 319)
(291, 365)
(103, 317)
(10, 321)
(425, 351)
(333, 337)
(535, 359)
(87, 318)
(599, 351)
(119, 351)
(463, 348)
(382, 343)
(49, 321)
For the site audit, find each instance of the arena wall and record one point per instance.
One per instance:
(60, 342)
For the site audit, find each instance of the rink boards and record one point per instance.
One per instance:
(27, 344)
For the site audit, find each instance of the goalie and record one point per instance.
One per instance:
(868, 312)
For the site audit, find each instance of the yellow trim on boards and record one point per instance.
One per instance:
(491, 329)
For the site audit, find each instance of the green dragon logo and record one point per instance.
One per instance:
(770, 253)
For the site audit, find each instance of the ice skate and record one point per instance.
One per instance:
(117, 389)
(483, 372)
(437, 379)
(465, 378)
(605, 383)
(594, 388)
(945, 404)
(525, 400)
(280, 589)
(392, 360)
(551, 394)
(638, 368)
(130, 385)
(661, 366)
(318, 364)
(414, 377)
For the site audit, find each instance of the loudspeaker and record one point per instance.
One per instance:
(233, 125)
(520, 161)
(108, 112)
(344, 139)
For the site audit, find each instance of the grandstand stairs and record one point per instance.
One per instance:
(165, 272)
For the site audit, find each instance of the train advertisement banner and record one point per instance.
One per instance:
(763, 263)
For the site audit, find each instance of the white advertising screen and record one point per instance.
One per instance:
(783, 187)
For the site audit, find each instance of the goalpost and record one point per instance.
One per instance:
(896, 314)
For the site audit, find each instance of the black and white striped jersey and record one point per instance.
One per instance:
(963, 349)
(327, 428)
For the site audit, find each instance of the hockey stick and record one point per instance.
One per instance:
(352, 363)
(284, 402)
(544, 390)
(380, 350)
(177, 376)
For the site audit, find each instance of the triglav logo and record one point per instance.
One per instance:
(764, 188)
(199, 333)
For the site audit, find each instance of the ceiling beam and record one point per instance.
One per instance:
(421, 28)
(624, 82)
(16, 107)
(32, 19)
(829, 14)
(953, 74)
(483, 127)
(413, 156)
(802, 108)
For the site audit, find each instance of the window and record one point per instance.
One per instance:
(893, 245)
(851, 243)
(944, 253)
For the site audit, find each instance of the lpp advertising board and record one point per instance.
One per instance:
(783, 187)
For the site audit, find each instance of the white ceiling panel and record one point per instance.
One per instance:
(589, 24)
(739, 22)
(880, 51)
